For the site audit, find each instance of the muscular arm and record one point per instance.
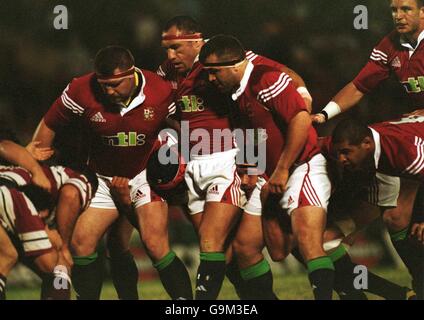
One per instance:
(19, 156)
(345, 99)
(348, 97)
(297, 135)
(44, 134)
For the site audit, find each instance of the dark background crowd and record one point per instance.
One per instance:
(316, 38)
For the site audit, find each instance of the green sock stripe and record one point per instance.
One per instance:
(165, 261)
(399, 236)
(337, 254)
(320, 263)
(212, 256)
(86, 260)
(256, 270)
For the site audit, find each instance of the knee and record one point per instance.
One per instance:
(395, 220)
(46, 263)
(9, 257)
(209, 240)
(156, 246)
(70, 195)
(82, 244)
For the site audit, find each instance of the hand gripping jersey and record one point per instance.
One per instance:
(393, 56)
(269, 100)
(120, 141)
(399, 147)
(202, 105)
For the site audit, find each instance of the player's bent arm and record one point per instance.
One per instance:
(297, 134)
(300, 85)
(44, 134)
(345, 99)
(19, 156)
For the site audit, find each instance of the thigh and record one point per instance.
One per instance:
(90, 228)
(218, 220)
(119, 235)
(308, 225)
(8, 253)
(153, 219)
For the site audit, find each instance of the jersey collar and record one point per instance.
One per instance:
(407, 45)
(377, 152)
(141, 96)
(244, 81)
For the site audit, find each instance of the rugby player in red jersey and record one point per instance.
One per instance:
(393, 148)
(296, 175)
(124, 108)
(203, 107)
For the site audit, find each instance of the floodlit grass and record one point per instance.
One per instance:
(290, 287)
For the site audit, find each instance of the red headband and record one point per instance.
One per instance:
(129, 72)
(185, 37)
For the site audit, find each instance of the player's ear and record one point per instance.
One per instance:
(197, 45)
(367, 142)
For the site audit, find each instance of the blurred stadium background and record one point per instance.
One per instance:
(315, 38)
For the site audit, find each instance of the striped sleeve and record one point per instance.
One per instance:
(417, 166)
(277, 94)
(64, 109)
(376, 70)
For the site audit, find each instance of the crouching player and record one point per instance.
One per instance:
(27, 211)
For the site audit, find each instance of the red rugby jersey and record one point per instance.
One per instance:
(200, 103)
(392, 55)
(400, 147)
(269, 100)
(120, 141)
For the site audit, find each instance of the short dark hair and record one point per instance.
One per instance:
(112, 57)
(40, 198)
(186, 24)
(224, 46)
(351, 131)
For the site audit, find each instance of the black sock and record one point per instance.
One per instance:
(233, 275)
(174, 276)
(87, 277)
(124, 274)
(321, 275)
(2, 287)
(210, 275)
(412, 254)
(55, 287)
(258, 282)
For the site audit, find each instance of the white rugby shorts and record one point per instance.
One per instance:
(308, 185)
(213, 178)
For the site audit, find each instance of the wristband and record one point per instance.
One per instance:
(331, 110)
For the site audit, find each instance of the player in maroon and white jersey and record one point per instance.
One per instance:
(400, 53)
(296, 177)
(393, 148)
(22, 201)
(123, 108)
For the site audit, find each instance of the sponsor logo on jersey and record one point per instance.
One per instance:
(396, 63)
(414, 85)
(124, 139)
(149, 114)
(191, 104)
(98, 117)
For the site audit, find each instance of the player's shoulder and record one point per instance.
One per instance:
(80, 91)
(266, 78)
(155, 88)
(388, 44)
(166, 69)
(257, 59)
